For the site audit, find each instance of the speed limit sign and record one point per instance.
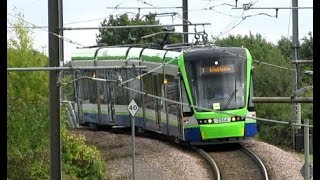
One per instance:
(133, 107)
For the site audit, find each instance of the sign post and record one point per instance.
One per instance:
(133, 109)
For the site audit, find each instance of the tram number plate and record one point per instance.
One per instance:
(221, 120)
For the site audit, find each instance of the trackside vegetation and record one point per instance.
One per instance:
(28, 122)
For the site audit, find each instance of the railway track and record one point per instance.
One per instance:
(234, 162)
(227, 161)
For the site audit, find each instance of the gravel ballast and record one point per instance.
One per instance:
(279, 163)
(157, 159)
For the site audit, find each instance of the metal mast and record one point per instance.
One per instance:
(54, 107)
(185, 20)
(295, 76)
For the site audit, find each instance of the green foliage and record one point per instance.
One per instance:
(81, 160)
(68, 89)
(28, 118)
(305, 53)
(27, 111)
(121, 36)
(285, 46)
(306, 49)
(278, 134)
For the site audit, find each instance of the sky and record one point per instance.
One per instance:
(222, 18)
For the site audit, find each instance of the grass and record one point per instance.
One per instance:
(301, 156)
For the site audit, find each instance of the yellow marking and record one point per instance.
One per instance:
(216, 106)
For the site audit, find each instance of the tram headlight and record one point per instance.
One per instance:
(205, 121)
(233, 119)
(200, 122)
(209, 120)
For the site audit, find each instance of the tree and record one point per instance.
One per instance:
(306, 49)
(305, 53)
(133, 35)
(285, 46)
(28, 122)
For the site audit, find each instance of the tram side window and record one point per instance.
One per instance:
(185, 109)
(149, 88)
(172, 93)
(92, 87)
(121, 94)
(102, 86)
(251, 106)
(135, 84)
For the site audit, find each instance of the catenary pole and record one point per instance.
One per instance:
(185, 20)
(61, 44)
(306, 150)
(54, 102)
(296, 107)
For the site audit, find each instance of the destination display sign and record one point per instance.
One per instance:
(217, 69)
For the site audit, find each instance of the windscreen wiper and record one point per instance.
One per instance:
(230, 99)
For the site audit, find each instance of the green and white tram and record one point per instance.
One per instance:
(216, 81)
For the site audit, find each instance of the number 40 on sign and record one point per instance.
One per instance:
(133, 108)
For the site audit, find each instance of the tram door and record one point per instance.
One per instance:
(105, 115)
(152, 105)
(157, 79)
(86, 97)
(78, 96)
(173, 110)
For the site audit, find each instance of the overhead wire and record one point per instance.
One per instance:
(243, 18)
(139, 76)
(57, 35)
(73, 42)
(233, 23)
(179, 15)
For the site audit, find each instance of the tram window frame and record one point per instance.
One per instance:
(186, 110)
(148, 88)
(121, 95)
(251, 106)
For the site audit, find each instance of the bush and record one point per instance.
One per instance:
(79, 160)
(271, 132)
(28, 120)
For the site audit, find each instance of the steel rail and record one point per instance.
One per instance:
(210, 160)
(258, 161)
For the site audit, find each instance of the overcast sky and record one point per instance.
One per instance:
(222, 18)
